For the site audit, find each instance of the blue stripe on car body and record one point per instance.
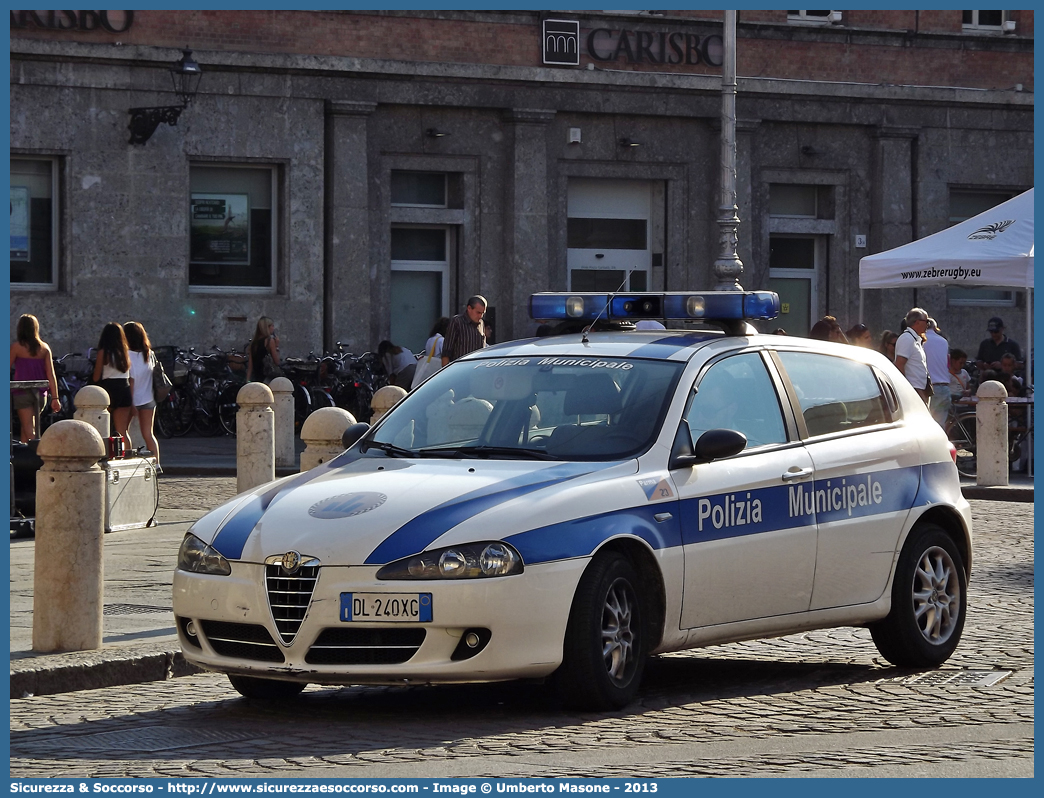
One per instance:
(727, 515)
(415, 535)
(232, 537)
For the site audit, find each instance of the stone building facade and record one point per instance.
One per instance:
(356, 174)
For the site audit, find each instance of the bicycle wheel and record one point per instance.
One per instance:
(320, 398)
(302, 406)
(205, 420)
(174, 414)
(962, 436)
(228, 407)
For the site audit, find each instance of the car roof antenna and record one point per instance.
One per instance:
(589, 327)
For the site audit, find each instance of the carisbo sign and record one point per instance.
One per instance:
(111, 21)
(563, 39)
(664, 48)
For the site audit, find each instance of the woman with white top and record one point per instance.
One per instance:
(399, 363)
(142, 362)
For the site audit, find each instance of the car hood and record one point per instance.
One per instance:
(374, 510)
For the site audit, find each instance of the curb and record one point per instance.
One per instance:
(51, 675)
(998, 494)
(216, 471)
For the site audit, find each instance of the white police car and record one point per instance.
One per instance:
(566, 506)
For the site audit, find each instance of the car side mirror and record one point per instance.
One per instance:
(353, 433)
(713, 444)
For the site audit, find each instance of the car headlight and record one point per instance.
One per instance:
(199, 558)
(472, 561)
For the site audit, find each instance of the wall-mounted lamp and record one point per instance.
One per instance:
(626, 142)
(185, 74)
(434, 133)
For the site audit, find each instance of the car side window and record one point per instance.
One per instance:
(836, 394)
(737, 393)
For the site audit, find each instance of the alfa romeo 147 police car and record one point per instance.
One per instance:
(566, 506)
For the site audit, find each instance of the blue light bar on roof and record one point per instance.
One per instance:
(691, 306)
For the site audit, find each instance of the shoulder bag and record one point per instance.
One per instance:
(161, 383)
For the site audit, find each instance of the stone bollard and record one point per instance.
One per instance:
(283, 391)
(255, 436)
(384, 399)
(68, 584)
(322, 432)
(92, 403)
(991, 435)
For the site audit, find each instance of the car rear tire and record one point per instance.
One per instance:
(929, 602)
(605, 644)
(268, 689)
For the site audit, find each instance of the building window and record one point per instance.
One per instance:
(812, 17)
(232, 230)
(964, 205)
(420, 271)
(34, 222)
(787, 199)
(983, 20)
(418, 189)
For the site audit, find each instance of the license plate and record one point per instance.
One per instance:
(385, 607)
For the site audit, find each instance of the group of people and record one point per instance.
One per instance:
(124, 366)
(937, 371)
(449, 339)
(934, 369)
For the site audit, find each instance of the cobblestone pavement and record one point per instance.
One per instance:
(821, 703)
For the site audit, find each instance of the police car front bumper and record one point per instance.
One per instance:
(226, 624)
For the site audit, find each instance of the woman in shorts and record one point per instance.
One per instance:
(31, 360)
(142, 362)
(112, 372)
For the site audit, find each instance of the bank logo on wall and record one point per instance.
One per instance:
(561, 42)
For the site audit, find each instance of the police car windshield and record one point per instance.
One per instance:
(547, 407)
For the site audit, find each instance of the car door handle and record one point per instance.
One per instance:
(795, 473)
(661, 517)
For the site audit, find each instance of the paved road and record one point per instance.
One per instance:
(816, 704)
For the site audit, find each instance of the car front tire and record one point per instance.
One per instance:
(929, 602)
(268, 689)
(605, 644)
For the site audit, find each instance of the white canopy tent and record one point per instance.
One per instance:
(994, 248)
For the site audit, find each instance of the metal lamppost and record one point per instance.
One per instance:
(728, 267)
(185, 74)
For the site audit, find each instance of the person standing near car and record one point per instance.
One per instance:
(937, 353)
(31, 360)
(909, 353)
(465, 332)
(142, 362)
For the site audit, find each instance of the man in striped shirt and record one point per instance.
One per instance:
(466, 332)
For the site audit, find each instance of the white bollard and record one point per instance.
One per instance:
(991, 435)
(283, 391)
(255, 437)
(322, 432)
(68, 583)
(92, 406)
(384, 399)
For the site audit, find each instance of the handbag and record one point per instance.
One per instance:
(427, 365)
(161, 383)
(269, 369)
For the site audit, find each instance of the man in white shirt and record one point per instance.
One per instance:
(909, 352)
(936, 352)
